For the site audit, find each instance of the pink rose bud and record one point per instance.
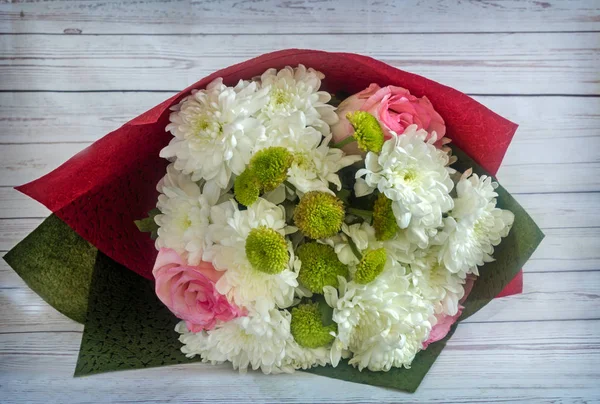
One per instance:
(395, 109)
(190, 293)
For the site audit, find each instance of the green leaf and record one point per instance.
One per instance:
(148, 225)
(56, 263)
(127, 327)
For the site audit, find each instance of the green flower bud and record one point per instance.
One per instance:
(319, 215)
(367, 131)
(320, 266)
(266, 250)
(270, 166)
(246, 188)
(384, 220)
(370, 266)
(308, 329)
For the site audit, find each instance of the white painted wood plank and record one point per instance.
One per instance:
(20, 163)
(554, 211)
(69, 117)
(549, 362)
(529, 362)
(546, 178)
(14, 230)
(479, 64)
(550, 171)
(14, 204)
(548, 118)
(548, 210)
(77, 117)
(547, 296)
(275, 17)
(563, 249)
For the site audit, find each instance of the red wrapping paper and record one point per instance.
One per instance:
(101, 191)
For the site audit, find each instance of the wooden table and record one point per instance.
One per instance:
(73, 71)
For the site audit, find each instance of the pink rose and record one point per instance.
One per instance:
(395, 109)
(189, 291)
(444, 322)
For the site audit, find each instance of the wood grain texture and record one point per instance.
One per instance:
(301, 16)
(550, 211)
(51, 117)
(517, 57)
(559, 359)
(564, 249)
(530, 166)
(532, 63)
(547, 296)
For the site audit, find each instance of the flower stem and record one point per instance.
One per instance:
(344, 142)
(365, 214)
(354, 248)
(290, 185)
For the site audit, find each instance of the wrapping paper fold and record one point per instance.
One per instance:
(103, 189)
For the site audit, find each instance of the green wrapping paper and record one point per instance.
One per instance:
(126, 326)
(57, 264)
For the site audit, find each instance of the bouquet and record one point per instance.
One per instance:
(299, 211)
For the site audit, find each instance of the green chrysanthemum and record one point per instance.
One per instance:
(370, 266)
(270, 166)
(266, 250)
(384, 221)
(246, 188)
(319, 215)
(320, 266)
(308, 329)
(367, 131)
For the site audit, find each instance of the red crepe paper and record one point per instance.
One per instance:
(102, 190)
(514, 287)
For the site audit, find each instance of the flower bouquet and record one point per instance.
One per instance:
(300, 211)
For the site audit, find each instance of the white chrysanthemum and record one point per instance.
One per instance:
(414, 175)
(315, 164)
(474, 226)
(241, 283)
(257, 341)
(262, 340)
(184, 218)
(297, 89)
(362, 234)
(214, 131)
(383, 323)
(435, 283)
(305, 358)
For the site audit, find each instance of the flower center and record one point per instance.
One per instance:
(280, 98)
(304, 162)
(205, 128)
(410, 175)
(184, 221)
